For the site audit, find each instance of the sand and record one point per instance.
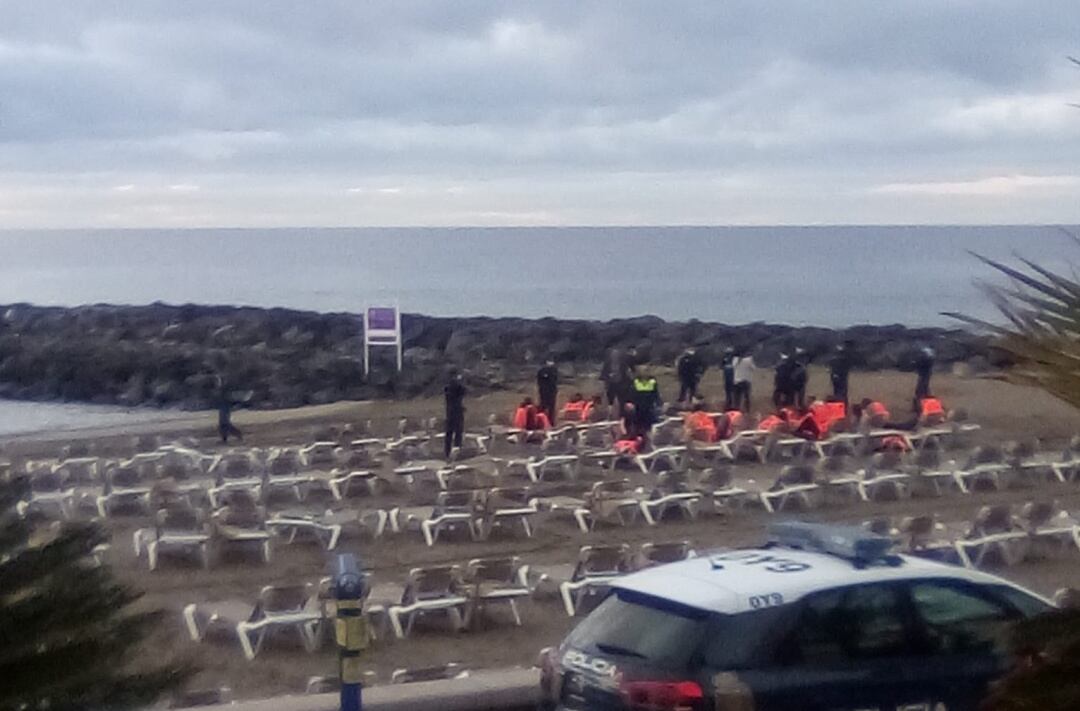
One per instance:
(1005, 411)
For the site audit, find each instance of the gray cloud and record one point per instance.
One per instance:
(401, 112)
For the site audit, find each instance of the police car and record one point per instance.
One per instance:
(823, 618)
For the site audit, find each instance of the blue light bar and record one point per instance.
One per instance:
(849, 542)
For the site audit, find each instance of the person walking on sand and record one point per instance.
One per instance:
(782, 390)
(742, 373)
(924, 368)
(799, 376)
(547, 386)
(646, 399)
(615, 374)
(839, 371)
(224, 407)
(455, 413)
(727, 363)
(691, 368)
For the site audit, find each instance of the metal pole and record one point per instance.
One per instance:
(350, 628)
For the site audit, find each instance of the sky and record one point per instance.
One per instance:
(259, 113)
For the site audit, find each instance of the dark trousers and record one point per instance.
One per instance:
(687, 388)
(741, 392)
(548, 399)
(228, 428)
(840, 388)
(455, 430)
(782, 398)
(922, 386)
(729, 393)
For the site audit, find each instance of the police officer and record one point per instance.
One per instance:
(839, 370)
(646, 399)
(455, 412)
(924, 368)
(616, 375)
(782, 382)
(690, 368)
(547, 386)
(799, 377)
(727, 362)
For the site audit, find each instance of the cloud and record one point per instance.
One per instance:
(266, 112)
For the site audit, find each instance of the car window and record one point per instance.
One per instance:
(642, 626)
(849, 624)
(961, 618)
(1026, 603)
(740, 641)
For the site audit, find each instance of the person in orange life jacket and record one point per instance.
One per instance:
(576, 409)
(528, 417)
(690, 367)
(454, 393)
(729, 424)
(931, 411)
(773, 422)
(547, 386)
(870, 413)
(699, 425)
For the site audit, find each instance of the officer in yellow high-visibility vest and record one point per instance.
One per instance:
(645, 394)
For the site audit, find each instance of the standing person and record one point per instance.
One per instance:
(691, 368)
(224, 407)
(455, 413)
(924, 368)
(742, 375)
(839, 370)
(728, 365)
(646, 399)
(782, 389)
(547, 385)
(616, 377)
(799, 377)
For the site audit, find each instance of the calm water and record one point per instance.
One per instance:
(829, 276)
(22, 417)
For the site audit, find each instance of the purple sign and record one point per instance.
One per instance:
(382, 319)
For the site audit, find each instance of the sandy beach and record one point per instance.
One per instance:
(1005, 411)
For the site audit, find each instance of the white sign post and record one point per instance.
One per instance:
(382, 327)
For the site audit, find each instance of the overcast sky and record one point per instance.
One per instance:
(364, 112)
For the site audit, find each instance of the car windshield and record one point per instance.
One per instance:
(629, 624)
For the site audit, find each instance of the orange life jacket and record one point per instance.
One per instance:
(771, 422)
(931, 407)
(576, 411)
(528, 417)
(876, 409)
(730, 422)
(895, 442)
(701, 426)
(809, 428)
(826, 414)
(630, 445)
(836, 410)
(586, 412)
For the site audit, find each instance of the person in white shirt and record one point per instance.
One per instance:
(744, 374)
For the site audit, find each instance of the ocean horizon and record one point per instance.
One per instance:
(831, 276)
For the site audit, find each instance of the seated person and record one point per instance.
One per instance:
(529, 417)
(698, 424)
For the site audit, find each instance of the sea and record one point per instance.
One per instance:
(831, 276)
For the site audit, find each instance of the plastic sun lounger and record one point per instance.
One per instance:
(991, 473)
(655, 509)
(490, 581)
(673, 455)
(325, 529)
(565, 464)
(597, 567)
(277, 608)
(428, 590)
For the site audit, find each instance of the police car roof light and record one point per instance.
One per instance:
(848, 542)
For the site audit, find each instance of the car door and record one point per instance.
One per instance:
(848, 650)
(963, 628)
